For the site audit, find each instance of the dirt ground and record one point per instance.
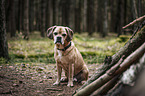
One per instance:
(34, 80)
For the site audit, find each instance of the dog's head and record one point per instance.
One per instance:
(60, 34)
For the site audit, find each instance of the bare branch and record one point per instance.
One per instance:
(134, 22)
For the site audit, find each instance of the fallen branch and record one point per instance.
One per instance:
(107, 77)
(105, 88)
(129, 47)
(135, 21)
(54, 89)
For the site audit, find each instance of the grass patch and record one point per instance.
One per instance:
(37, 49)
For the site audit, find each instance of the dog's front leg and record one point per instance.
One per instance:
(59, 71)
(71, 73)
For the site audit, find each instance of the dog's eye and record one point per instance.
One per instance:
(63, 35)
(55, 33)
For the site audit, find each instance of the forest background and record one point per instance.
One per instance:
(97, 26)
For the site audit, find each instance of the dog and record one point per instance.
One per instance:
(67, 56)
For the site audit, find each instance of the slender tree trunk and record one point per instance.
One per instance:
(59, 12)
(100, 16)
(3, 40)
(20, 15)
(31, 15)
(77, 16)
(26, 19)
(119, 19)
(43, 18)
(54, 11)
(95, 15)
(139, 8)
(50, 13)
(134, 12)
(13, 20)
(72, 15)
(90, 16)
(65, 12)
(11, 25)
(105, 19)
(38, 15)
(85, 16)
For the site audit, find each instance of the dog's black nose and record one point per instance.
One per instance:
(58, 40)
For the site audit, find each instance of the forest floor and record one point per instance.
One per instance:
(32, 70)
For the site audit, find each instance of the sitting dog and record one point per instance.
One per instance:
(67, 56)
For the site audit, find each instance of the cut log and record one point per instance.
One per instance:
(107, 77)
(129, 47)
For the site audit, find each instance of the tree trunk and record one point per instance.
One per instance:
(13, 20)
(119, 19)
(31, 15)
(90, 17)
(65, 12)
(20, 15)
(54, 11)
(100, 16)
(43, 18)
(105, 19)
(85, 16)
(72, 15)
(129, 47)
(38, 15)
(77, 16)
(95, 15)
(26, 19)
(50, 13)
(3, 40)
(11, 25)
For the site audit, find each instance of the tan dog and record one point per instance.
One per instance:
(67, 56)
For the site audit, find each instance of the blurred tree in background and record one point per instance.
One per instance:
(3, 40)
(90, 16)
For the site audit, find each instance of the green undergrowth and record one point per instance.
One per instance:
(37, 49)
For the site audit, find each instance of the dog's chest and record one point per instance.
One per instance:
(65, 59)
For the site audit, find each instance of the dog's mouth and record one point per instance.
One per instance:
(58, 40)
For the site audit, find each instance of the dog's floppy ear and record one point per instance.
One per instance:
(69, 34)
(50, 32)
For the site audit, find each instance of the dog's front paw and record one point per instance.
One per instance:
(70, 84)
(64, 79)
(56, 83)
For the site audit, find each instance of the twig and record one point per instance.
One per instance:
(135, 21)
(54, 89)
(137, 29)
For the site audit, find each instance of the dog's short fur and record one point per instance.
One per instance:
(67, 56)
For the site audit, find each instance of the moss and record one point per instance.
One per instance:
(20, 56)
(123, 38)
(2, 60)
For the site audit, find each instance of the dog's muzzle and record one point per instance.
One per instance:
(58, 40)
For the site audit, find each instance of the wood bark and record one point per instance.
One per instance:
(72, 15)
(129, 47)
(105, 19)
(43, 18)
(10, 18)
(78, 16)
(112, 72)
(31, 15)
(90, 16)
(3, 40)
(26, 20)
(20, 15)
